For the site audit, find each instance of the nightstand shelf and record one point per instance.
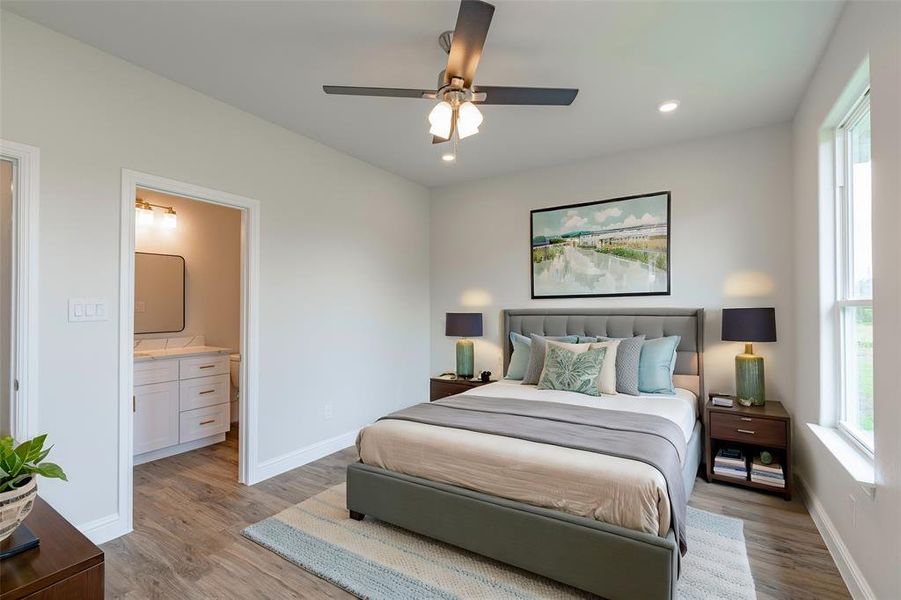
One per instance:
(751, 429)
(440, 387)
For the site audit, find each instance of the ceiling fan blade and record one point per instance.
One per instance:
(473, 21)
(348, 90)
(438, 140)
(525, 95)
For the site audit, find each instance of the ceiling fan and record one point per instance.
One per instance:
(456, 112)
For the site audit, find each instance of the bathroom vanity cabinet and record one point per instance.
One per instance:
(179, 404)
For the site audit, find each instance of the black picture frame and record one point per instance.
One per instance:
(184, 294)
(669, 246)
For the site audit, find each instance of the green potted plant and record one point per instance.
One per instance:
(20, 464)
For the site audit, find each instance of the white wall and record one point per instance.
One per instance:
(344, 275)
(208, 236)
(871, 531)
(731, 242)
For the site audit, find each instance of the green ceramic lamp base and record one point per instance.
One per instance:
(749, 382)
(465, 362)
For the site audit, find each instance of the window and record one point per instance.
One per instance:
(854, 275)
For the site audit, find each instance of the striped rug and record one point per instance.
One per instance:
(374, 560)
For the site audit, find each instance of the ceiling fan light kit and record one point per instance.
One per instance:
(456, 111)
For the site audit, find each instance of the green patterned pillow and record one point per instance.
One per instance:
(572, 371)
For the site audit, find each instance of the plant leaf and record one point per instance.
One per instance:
(52, 470)
(23, 449)
(42, 455)
(37, 443)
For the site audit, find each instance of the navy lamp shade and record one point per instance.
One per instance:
(749, 325)
(464, 325)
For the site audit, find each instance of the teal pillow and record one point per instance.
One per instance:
(519, 360)
(656, 365)
(572, 371)
(586, 339)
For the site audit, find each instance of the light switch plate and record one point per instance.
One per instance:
(87, 309)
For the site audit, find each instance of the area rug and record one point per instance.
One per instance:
(377, 561)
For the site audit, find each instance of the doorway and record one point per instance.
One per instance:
(18, 289)
(144, 195)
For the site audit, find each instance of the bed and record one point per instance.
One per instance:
(600, 523)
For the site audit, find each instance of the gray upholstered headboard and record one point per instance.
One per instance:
(652, 322)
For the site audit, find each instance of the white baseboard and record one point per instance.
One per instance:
(298, 458)
(105, 528)
(140, 459)
(850, 572)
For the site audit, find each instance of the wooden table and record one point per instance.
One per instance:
(65, 565)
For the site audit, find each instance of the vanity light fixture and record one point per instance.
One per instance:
(144, 214)
(170, 220)
(668, 106)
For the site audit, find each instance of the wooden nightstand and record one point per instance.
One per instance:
(442, 388)
(751, 429)
(65, 565)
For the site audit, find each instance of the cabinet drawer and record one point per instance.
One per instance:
(203, 366)
(155, 371)
(203, 422)
(442, 389)
(753, 430)
(203, 391)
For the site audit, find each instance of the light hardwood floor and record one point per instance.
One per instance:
(190, 510)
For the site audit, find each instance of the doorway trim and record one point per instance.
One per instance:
(25, 210)
(250, 278)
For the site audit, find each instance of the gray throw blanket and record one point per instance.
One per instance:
(646, 438)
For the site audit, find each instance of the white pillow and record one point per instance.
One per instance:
(607, 379)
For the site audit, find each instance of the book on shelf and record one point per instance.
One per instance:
(728, 462)
(770, 481)
(770, 475)
(733, 473)
(774, 467)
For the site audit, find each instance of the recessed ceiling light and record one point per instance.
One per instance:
(668, 106)
(448, 157)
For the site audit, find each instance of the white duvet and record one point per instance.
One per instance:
(614, 490)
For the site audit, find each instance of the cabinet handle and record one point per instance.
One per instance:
(749, 419)
(134, 404)
(206, 366)
(206, 392)
(208, 422)
(748, 431)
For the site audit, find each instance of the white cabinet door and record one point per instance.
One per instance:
(155, 416)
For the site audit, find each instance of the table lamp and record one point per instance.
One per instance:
(749, 325)
(464, 325)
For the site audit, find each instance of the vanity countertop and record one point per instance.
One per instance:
(144, 355)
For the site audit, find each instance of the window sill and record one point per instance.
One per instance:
(857, 464)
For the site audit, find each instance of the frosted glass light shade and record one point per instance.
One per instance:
(441, 119)
(170, 220)
(143, 215)
(469, 117)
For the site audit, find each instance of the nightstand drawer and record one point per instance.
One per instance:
(443, 389)
(754, 430)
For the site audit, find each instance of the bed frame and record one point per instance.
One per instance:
(611, 561)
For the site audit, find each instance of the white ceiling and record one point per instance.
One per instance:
(733, 65)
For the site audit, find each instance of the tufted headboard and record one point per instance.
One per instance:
(620, 323)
